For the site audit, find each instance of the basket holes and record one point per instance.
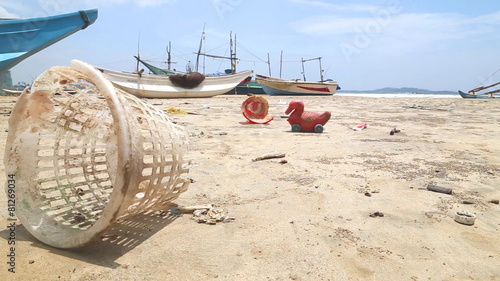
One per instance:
(107, 184)
(147, 146)
(53, 194)
(81, 118)
(45, 163)
(45, 152)
(47, 174)
(74, 171)
(147, 172)
(48, 184)
(62, 122)
(101, 168)
(146, 133)
(75, 126)
(148, 159)
(63, 81)
(140, 195)
(156, 180)
(75, 152)
(58, 203)
(48, 141)
(167, 169)
(102, 176)
(100, 159)
(68, 113)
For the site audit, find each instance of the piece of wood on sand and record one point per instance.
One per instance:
(269, 156)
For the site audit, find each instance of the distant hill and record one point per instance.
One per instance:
(388, 90)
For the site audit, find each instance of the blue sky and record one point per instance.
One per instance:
(364, 45)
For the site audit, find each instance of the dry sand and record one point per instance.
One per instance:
(308, 219)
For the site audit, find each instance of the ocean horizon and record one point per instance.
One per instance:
(397, 95)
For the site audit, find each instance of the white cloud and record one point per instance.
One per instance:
(430, 26)
(337, 7)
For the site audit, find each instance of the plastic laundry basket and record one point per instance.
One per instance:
(84, 154)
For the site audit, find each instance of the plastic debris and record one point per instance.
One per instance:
(360, 127)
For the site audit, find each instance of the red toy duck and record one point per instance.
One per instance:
(306, 121)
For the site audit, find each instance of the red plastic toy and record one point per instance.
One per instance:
(306, 121)
(255, 110)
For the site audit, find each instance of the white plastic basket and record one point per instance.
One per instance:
(84, 154)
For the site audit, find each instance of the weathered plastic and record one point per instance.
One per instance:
(255, 109)
(306, 121)
(84, 154)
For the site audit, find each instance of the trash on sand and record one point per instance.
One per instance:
(269, 156)
(377, 214)
(394, 131)
(281, 102)
(175, 110)
(439, 189)
(255, 109)
(206, 214)
(360, 127)
(465, 218)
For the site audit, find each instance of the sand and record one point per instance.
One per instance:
(308, 218)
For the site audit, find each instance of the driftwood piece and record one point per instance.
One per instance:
(439, 189)
(269, 156)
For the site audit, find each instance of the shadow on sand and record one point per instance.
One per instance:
(122, 237)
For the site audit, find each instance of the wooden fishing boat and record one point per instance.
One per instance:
(275, 86)
(21, 38)
(159, 86)
(473, 94)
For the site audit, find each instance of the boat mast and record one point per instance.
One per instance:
(303, 70)
(320, 68)
(269, 64)
(281, 62)
(169, 57)
(232, 54)
(199, 49)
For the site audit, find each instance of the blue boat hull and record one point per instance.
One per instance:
(22, 38)
(469, 96)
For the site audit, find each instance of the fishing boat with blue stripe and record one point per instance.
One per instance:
(22, 38)
(277, 86)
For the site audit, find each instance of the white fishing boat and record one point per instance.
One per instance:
(295, 87)
(275, 86)
(158, 86)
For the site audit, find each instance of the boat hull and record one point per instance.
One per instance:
(248, 88)
(469, 96)
(22, 38)
(275, 87)
(157, 86)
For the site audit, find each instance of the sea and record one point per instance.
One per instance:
(398, 95)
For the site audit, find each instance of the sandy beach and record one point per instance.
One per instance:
(345, 205)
